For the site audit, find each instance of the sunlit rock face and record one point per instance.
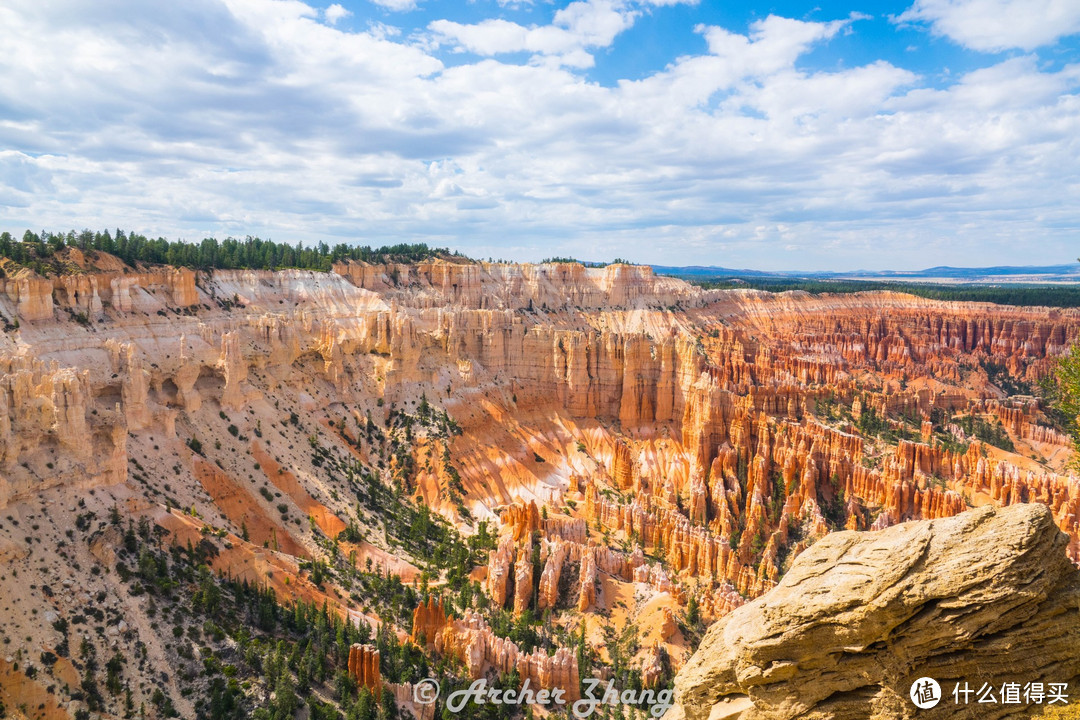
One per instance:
(986, 594)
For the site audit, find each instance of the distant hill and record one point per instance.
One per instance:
(1027, 274)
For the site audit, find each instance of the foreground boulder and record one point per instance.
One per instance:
(987, 596)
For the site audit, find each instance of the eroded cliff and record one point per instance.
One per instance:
(627, 454)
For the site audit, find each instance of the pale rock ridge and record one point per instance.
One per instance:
(471, 640)
(36, 298)
(45, 415)
(556, 286)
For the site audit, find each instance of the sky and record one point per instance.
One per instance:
(766, 135)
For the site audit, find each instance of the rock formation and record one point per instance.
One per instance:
(587, 582)
(522, 519)
(557, 553)
(500, 567)
(364, 666)
(472, 641)
(428, 619)
(523, 578)
(987, 596)
(652, 667)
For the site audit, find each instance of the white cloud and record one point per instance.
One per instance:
(774, 43)
(580, 25)
(995, 25)
(256, 116)
(336, 12)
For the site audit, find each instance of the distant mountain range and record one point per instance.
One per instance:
(1069, 273)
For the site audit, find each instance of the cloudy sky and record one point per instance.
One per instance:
(780, 135)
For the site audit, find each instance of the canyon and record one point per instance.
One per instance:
(628, 458)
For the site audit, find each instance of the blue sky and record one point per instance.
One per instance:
(766, 135)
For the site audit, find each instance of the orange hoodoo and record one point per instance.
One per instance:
(364, 666)
(523, 519)
(428, 619)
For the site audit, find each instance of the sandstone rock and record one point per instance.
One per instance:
(522, 519)
(33, 297)
(499, 568)
(569, 529)
(235, 369)
(523, 578)
(429, 619)
(587, 583)
(652, 666)
(985, 596)
(549, 578)
(48, 412)
(364, 666)
(472, 641)
(622, 469)
(668, 625)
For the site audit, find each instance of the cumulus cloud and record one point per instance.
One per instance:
(336, 12)
(259, 116)
(580, 25)
(995, 25)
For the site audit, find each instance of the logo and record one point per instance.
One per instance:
(426, 692)
(925, 693)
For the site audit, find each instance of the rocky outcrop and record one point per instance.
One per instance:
(693, 550)
(547, 286)
(32, 297)
(986, 596)
(428, 619)
(523, 578)
(471, 641)
(557, 553)
(587, 581)
(91, 294)
(668, 625)
(652, 666)
(53, 433)
(364, 666)
(522, 519)
(235, 369)
(499, 571)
